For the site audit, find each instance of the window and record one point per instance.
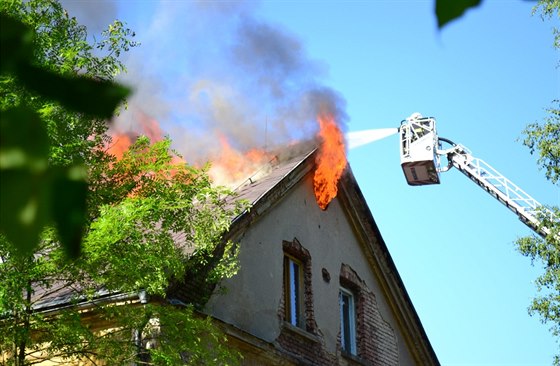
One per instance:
(347, 321)
(293, 291)
(296, 307)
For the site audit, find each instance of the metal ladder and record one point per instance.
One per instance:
(502, 189)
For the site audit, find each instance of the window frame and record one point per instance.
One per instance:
(349, 331)
(294, 292)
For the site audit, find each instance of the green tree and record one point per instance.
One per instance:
(168, 217)
(55, 96)
(150, 222)
(544, 140)
(547, 9)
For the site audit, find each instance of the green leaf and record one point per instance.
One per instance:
(32, 193)
(98, 98)
(448, 10)
(23, 212)
(542, 139)
(24, 193)
(16, 43)
(23, 140)
(69, 192)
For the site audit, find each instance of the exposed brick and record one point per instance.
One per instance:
(376, 341)
(296, 250)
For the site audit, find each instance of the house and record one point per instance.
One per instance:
(315, 287)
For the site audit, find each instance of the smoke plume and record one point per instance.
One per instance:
(211, 71)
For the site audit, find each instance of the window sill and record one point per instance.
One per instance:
(300, 332)
(353, 359)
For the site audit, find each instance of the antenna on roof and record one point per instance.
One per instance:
(265, 134)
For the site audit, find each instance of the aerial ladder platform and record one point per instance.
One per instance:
(421, 152)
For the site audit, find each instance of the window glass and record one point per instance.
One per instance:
(347, 321)
(293, 288)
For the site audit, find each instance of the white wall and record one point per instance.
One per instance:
(253, 296)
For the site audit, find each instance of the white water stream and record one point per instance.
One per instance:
(358, 138)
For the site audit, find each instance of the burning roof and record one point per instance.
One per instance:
(231, 167)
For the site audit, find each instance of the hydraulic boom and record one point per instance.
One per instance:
(421, 151)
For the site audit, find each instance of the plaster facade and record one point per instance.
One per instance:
(255, 295)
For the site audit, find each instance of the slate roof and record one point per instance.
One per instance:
(273, 172)
(62, 293)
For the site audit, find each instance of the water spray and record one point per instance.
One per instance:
(364, 137)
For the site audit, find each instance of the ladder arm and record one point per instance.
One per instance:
(499, 187)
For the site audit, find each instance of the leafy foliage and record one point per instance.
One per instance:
(161, 201)
(46, 70)
(166, 215)
(143, 220)
(547, 9)
(449, 10)
(544, 139)
(546, 252)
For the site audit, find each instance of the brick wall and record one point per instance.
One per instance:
(308, 348)
(296, 250)
(376, 341)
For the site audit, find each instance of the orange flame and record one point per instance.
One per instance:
(231, 166)
(331, 161)
(145, 125)
(120, 143)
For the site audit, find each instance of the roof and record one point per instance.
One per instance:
(62, 293)
(284, 172)
(274, 171)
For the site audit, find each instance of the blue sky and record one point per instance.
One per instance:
(483, 77)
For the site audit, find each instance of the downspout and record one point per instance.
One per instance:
(20, 357)
(141, 355)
